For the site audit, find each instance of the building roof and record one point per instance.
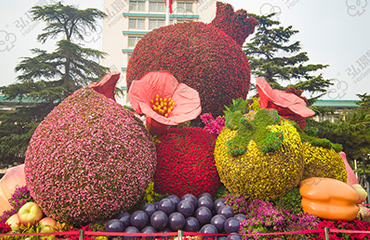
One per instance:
(336, 103)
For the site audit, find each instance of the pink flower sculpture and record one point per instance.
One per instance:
(287, 104)
(13, 178)
(351, 176)
(164, 101)
(106, 85)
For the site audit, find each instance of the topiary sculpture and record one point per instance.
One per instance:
(185, 162)
(90, 158)
(323, 162)
(206, 57)
(259, 154)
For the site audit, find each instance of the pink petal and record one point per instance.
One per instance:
(106, 85)
(351, 176)
(282, 99)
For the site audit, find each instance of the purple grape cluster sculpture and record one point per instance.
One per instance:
(189, 214)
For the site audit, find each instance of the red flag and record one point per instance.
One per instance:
(170, 2)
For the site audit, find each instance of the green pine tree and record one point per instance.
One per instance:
(266, 59)
(48, 78)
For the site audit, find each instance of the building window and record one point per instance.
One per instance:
(132, 40)
(137, 6)
(183, 7)
(157, 7)
(135, 23)
(183, 20)
(156, 23)
(128, 56)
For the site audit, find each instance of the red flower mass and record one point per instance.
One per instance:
(203, 56)
(185, 162)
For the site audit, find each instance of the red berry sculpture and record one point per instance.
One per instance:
(185, 162)
(206, 57)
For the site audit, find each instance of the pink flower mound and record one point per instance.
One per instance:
(89, 159)
(186, 163)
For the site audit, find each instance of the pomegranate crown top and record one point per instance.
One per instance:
(235, 24)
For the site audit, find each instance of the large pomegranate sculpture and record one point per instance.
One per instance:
(206, 57)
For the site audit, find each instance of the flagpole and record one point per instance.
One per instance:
(167, 12)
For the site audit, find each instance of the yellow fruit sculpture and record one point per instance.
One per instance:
(323, 162)
(259, 154)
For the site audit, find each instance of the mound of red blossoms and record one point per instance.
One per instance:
(89, 159)
(185, 162)
(203, 56)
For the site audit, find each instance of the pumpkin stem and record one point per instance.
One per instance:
(106, 85)
(235, 24)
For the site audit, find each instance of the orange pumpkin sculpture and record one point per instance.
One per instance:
(329, 198)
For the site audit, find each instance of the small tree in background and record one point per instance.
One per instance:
(48, 78)
(266, 52)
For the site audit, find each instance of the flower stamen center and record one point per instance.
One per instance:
(162, 106)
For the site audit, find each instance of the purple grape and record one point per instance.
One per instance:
(131, 229)
(124, 218)
(167, 206)
(240, 217)
(149, 208)
(176, 221)
(218, 221)
(233, 236)
(207, 195)
(191, 225)
(206, 202)
(186, 208)
(114, 225)
(219, 203)
(231, 225)
(139, 219)
(148, 229)
(227, 211)
(203, 214)
(209, 228)
(192, 198)
(159, 220)
(175, 199)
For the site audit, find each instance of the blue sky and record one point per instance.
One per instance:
(336, 33)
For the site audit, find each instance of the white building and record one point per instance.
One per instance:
(129, 20)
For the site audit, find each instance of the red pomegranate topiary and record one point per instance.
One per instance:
(206, 57)
(185, 162)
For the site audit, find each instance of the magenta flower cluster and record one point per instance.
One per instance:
(89, 159)
(20, 196)
(214, 126)
(264, 217)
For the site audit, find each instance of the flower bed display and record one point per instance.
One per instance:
(185, 162)
(89, 159)
(256, 174)
(203, 56)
